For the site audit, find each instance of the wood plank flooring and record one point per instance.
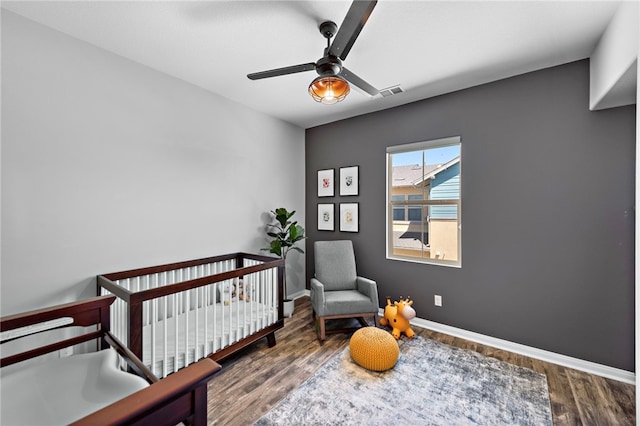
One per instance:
(255, 379)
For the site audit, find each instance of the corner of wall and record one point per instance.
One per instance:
(613, 62)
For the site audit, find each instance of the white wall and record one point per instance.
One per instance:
(109, 165)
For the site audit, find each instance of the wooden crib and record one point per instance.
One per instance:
(38, 391)
(175, 314)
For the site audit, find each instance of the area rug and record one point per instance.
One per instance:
(432, 384)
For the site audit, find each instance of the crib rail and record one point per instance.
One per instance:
(185, 311)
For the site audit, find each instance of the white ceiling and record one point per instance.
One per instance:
(427, 47)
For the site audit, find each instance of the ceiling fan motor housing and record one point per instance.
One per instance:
(328, 65)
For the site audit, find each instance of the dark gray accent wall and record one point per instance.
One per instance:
(547, 212)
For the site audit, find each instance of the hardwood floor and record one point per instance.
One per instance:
(255, 379)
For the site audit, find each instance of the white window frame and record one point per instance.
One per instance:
(420, 146)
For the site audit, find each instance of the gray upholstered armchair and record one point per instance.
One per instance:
(337, 291)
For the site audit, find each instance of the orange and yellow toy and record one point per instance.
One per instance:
(398, 315)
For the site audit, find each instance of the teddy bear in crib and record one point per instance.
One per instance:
(240, 291)
(398, 315)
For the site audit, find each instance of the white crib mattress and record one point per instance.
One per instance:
(218, 326)
(64, 390)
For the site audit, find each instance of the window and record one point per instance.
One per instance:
(415, 213)
(398, 211)
(401, 212)
(424, 202)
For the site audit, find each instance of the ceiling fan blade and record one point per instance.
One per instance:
(282, 71)
(357, 81)
(353, 23)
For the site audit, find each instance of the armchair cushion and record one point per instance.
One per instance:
(362, 300)
(335, 265)
(345, 302)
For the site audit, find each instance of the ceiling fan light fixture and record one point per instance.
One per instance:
(329, 90)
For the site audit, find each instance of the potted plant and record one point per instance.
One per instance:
(285, 234)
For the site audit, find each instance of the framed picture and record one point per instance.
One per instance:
(325, 183)
(326, 219)
(349, 217)
(349, 180)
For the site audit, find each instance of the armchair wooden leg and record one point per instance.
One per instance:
(322, 329)
(363, 322)
(318, 325)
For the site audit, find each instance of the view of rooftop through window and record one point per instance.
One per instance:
(424, 202)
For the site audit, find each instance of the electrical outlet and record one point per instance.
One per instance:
(437, 300)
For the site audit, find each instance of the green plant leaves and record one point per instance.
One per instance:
(287, 233)
(276, 247)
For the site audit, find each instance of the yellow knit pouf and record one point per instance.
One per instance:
(374, 349)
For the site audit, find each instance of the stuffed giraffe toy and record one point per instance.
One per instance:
(398, 315)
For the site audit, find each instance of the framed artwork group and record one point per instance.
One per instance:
(348, 185)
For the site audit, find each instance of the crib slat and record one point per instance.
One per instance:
(153, 331)
(186, 331)
(237, 316)
(207, 294)
(245, 280)
(218, 290)
(165, 355)
(223, 342)
(275, 298)
(175, 338)
(196, 326)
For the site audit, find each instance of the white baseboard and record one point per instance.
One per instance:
(541, 354)
(300, 294)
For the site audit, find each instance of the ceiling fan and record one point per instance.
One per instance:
(332, 85)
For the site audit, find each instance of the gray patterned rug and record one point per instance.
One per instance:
(432, 384)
